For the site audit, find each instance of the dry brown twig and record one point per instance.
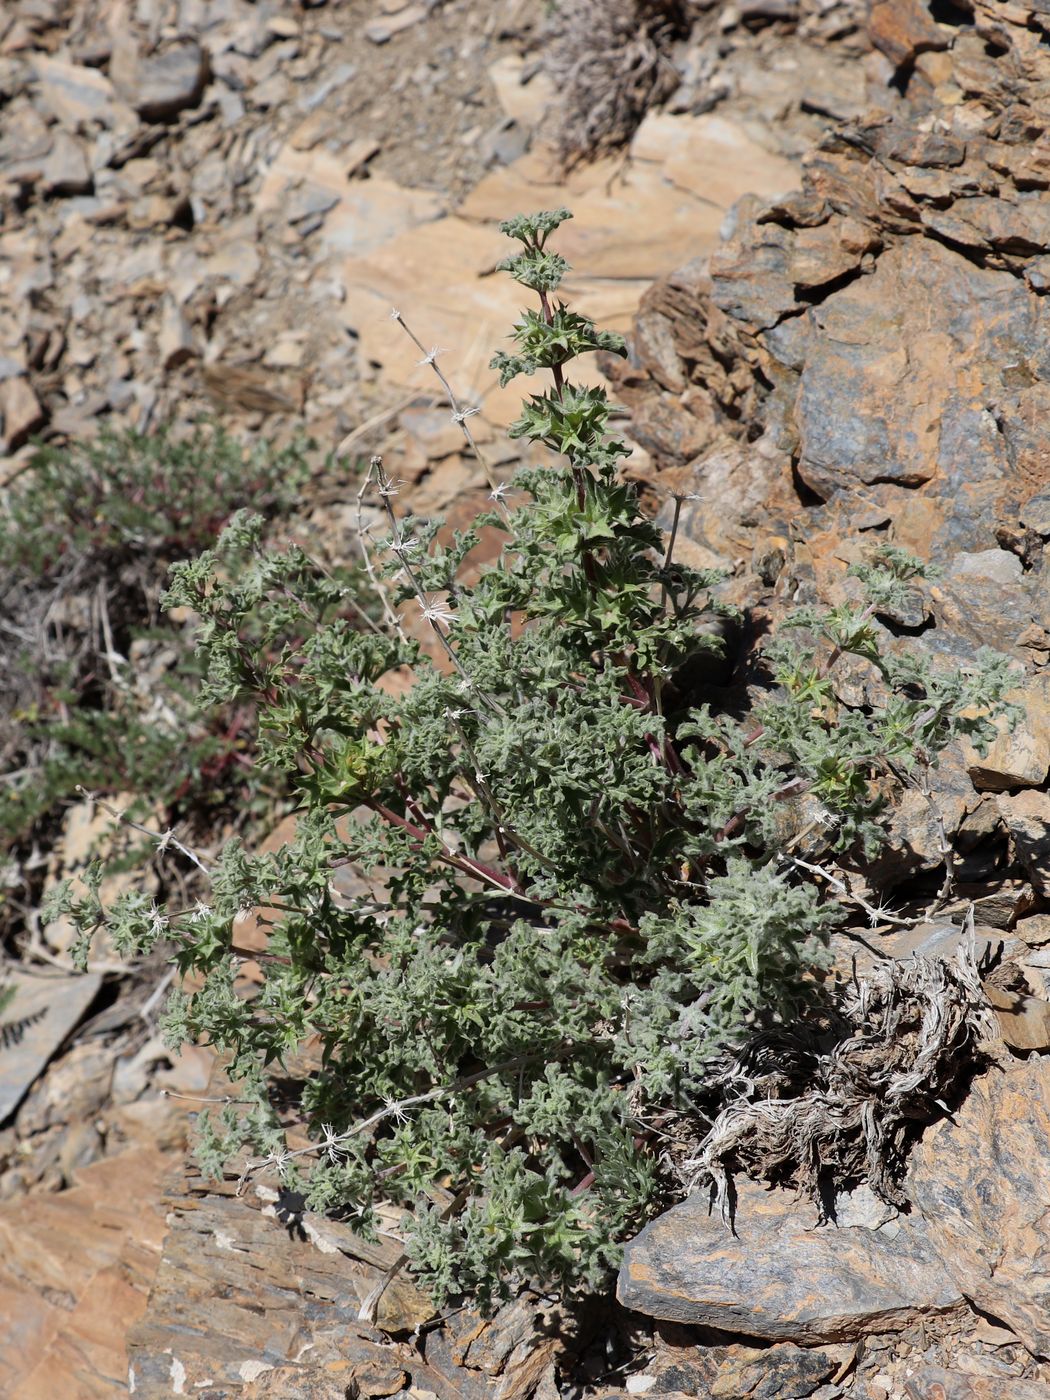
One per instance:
(362, 537)
(379, 420)
(162, 839)
(460, 415)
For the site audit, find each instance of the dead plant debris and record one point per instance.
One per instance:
(611, 61)
(800, 1112)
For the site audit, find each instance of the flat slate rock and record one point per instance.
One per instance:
(76, 1267)
(251, 1301)
(42, 1012)
(161, 86)
(979, 1183)
(239, 1296)
(734, 1372)
(780, 1277)
(770, 1373)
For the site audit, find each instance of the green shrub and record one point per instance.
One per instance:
(150, 497)
(87, 534)
(584, 886)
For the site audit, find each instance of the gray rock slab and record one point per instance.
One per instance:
(1026, 815)
(169, 81)
(73, 93)
(46, 1008)
(780, 1277)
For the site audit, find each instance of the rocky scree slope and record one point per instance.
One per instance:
(921, 402)
(865, 360)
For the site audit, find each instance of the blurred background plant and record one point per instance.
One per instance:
(610, 61)
(97, 686)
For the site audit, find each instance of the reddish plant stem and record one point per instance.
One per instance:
(464, 863)
(584, 1184)
(790, 789)
(660, 749)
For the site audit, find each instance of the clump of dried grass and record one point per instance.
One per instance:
(609, 60)
(803, 1113)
